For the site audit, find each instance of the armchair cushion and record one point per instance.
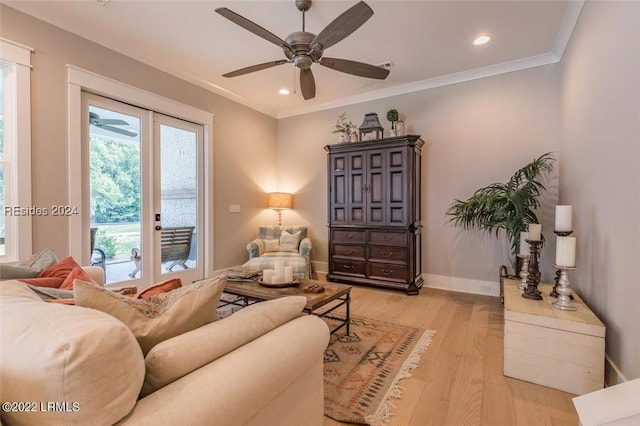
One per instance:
(271, 246)
(289, 242)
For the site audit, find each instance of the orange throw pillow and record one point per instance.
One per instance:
(163, 287)
(51, 282)
(76, 274)
(61, 269)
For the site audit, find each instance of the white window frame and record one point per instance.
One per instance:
(79, 80)
(18, 242)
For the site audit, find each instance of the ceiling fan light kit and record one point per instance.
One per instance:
(303, 48)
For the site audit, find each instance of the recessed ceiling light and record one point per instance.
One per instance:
(283, 91)
(481, 40)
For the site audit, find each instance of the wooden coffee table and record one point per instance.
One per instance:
(320, 304)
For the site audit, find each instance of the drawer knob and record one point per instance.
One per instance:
(387, 272)
(348, 236)
(386, 254)
(387, 237)
(348, 251)
(348, 266)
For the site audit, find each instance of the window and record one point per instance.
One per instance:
(15, 151)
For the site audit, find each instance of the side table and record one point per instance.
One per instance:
(560, 349)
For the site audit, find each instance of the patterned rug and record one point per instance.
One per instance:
(362, 370)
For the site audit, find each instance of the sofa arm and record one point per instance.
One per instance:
(96, 273)
(305, 247)
(255, 248)
(248, 381)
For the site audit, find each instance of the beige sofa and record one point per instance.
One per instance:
(71, 365)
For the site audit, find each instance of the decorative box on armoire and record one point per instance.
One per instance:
(374, 213)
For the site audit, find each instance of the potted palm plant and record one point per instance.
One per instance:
(510, 206)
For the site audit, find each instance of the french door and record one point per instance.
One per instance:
(143, 186)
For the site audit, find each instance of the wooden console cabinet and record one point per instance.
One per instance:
(560, 349)
(374, 213)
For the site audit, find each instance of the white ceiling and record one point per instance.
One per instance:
(429, 42)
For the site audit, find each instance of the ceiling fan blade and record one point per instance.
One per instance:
(113, 121)
(356, 68)
(251, 26)
(120, 131)
(253, 68)
(343, 25)
(307, 84)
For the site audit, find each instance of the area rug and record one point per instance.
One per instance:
(362, 370)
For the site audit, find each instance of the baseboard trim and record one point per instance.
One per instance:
(612, 374)
(463, 285)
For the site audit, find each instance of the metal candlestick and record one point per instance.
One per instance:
(524, 271)
(533, 278)
(564, 302)
(554, 292)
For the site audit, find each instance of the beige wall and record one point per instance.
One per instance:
(476, 133)
(244, 140)
(601, 175)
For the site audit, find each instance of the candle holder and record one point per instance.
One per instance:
(554, 292)
(564, 302)
(524, 271)
(533, 278)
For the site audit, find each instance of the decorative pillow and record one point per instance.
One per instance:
(50, 282)
(61, 269)
(29, 267)
(48, 294)
(42, 260)
(271, 246)
(163, 287)
(76, 274)
(161, 316)
(289, 242)
(12, 272)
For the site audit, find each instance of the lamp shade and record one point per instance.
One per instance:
(279, 200)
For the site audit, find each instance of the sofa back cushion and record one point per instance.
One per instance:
(65, 354)
(176, 357)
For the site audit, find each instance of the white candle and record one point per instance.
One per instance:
(267, 276)
(566, 251)
(563, 218)
(288, 274)
(524, 246)
(279, 267)
(535, 231)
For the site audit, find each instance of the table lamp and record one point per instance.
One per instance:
(279, 201)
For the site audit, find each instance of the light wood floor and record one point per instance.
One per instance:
(459, 381)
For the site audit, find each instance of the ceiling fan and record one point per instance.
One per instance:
(303, 48)
(109, 123)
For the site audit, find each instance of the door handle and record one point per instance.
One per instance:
(158, 227)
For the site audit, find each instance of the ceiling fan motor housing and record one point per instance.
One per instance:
(301, 54)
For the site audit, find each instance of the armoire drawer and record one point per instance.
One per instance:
(341, 266)
(385, 271)
(387, 253)
(348, 236)
(351, 251)
(388, 237)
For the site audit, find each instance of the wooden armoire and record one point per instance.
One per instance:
(374, 213)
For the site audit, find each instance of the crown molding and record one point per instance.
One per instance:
(569, 21)
(497, 69)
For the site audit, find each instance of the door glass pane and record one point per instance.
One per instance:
(114, 173)
(178, 198)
